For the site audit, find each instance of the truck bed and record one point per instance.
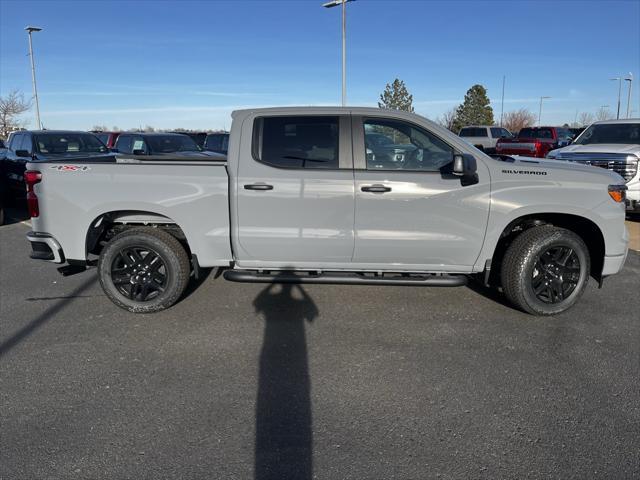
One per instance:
(190, 192)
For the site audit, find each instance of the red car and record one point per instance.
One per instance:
(534, 141)
(108, 138)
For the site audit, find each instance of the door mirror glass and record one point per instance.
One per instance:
(458, 165)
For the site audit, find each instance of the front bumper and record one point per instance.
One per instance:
(45, 247)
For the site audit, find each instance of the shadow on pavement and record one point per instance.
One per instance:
(41, 319)
(15, 214)
(283, 447)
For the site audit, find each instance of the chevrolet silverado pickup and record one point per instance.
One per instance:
(610, 144)
(298, 200)
(534, 141)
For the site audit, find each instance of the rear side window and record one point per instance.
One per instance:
(103, 137)
(14, 141)
(497, 133)
(297, 142)
(26, 143)
(473, 132)
(123, 144)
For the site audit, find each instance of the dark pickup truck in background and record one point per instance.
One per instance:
(138, 143)
(535, 141)
(40, 145)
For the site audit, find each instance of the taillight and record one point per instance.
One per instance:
(538, 148)
(31, 177)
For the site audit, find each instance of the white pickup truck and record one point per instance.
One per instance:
(299, 199)
(610, 144)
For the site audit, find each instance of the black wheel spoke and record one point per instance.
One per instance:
(139, 273)
(121, 279)
(557, 272)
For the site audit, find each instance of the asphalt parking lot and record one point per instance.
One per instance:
(330, 382)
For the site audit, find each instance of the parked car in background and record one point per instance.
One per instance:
(300, 201)
(534, 141)
(575, 131)
(158, 144)
(610, 144)
(39, 145)
(198, 137)
(108, 138)
(484, 137)
(217, 142)
(3, 148)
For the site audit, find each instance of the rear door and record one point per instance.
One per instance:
(295, 193)
(415, 214)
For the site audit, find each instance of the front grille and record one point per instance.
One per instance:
(623, 164)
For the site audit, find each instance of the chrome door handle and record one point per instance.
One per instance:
(258, 186)
(377, 188)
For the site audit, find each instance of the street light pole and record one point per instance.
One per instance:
(540, 111)
(335, 3)
(630, 80)
(33, 74)
(619, 79)
(504, 77)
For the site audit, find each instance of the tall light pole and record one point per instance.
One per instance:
(504, 77)
(619, 79)
(540, 111)
(630, 80)
(335, 3)
(30, 30)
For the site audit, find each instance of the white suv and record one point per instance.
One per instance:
(484, 137)
(610, 144)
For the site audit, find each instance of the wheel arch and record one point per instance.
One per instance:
(107, 224)
(584, 227)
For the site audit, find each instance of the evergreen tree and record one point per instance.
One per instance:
(475, 110)
(396, 97)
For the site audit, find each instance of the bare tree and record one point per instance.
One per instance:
(603, 113)
(99, 128)
(11, 107)
(518, 119)
(448, 119)
(585, 118)
(149, 129)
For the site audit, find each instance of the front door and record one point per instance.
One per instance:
(295, 194)
(411, 211)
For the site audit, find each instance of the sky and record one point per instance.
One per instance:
(188, 64)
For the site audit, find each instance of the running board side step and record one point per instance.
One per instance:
(339, 278)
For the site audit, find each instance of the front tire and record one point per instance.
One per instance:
(143, 270)
(545, 270)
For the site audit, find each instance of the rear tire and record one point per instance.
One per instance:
(545, 270)
(143, 270)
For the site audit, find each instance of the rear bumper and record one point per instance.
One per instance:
(45, 247)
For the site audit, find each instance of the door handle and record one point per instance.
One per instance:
(377, 188)
(258, 186)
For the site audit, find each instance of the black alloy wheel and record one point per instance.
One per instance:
(139, 273)
(555, 274)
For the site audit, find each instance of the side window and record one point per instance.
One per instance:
(123, 144)
(406, 147)
(15, 142)
(26, 143)
(138, 144)
(297, 142)
(497, 132)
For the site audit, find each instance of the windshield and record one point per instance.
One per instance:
(610, 133)
(69, 143)
(171, 144)
(535, 133)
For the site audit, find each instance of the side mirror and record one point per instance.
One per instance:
(465, 167)
(139, 152)
(22, 153)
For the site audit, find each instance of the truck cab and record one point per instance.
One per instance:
(535, 141)
(484, 137)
